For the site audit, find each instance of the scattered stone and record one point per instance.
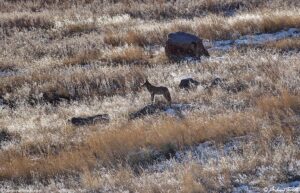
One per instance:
(6, 136)
(148, 110)
(231, 88)
(216, 81)
(2, 101)
(174, 110)
(188, 83)
(80, 121)
(182, 45)
(7, 70)
(237, 87)
(8, 103)
(55, 98)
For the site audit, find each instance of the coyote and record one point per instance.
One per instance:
(157, 91)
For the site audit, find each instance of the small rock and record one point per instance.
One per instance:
(188, 83)
(236, 87)
(231, 88)
(7, 103)
(6, 136)
(216, 81)
(80, 121)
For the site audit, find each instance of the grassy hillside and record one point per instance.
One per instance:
(63, 59)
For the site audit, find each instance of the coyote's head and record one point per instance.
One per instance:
(146, 83)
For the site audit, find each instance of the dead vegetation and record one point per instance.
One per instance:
(115, 146)
(83, 58)
(285, 45)
(78, 29)
(212, 27)
(79, 84)
(27, 21)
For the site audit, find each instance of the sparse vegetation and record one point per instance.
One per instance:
(285, 45)
(64, 59)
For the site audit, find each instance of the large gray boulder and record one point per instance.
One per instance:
(181, 45)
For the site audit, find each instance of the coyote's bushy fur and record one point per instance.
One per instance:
(161, 90)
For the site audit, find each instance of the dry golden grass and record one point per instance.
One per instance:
(127, 55)
(78, 85)
(115, 146)
(80, 53)
(190, 184)
(212, 27)
(81, 28)
(130, 37)
(161, 9)
(113, 39)
(27, 21)
(82, 58)
(281, 104)
(4, 66)
(289, 44)
(259, 22)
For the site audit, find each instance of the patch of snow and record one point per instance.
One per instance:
(103, 20)
(114, 19)
(171, 112)
(244, 189)
(256, 39)
(178, 110)
(183, 107)
(202, 153)
(7, 73)
(284, 187)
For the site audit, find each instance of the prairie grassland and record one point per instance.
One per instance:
(95, 55)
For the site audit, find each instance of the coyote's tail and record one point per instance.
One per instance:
(167, 95)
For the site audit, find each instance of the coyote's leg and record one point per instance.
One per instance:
(152, 98)
(167, 95)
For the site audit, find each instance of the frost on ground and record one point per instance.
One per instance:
(256, 39)
(210, 154)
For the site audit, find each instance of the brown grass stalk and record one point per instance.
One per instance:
(112, 147)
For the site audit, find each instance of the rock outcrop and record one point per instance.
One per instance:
(148, 110)
(182, 45)
(174, 110)
(80, 121)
